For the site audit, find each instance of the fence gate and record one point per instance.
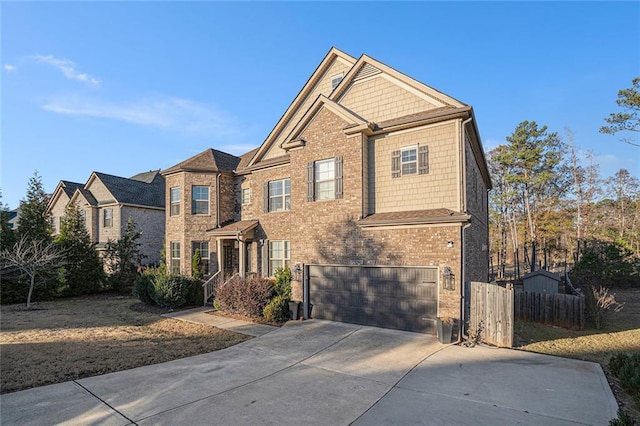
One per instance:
(492, 308)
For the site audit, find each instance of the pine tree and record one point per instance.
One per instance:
(83, 272)
(123, 257)
(35, 221)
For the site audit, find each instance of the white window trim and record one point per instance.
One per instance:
(173, 202)
(248, 199)
(317, 181)
(402, 163)
(284, 195)
(194, 201)
(286, 255)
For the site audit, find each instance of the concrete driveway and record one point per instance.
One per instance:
(326, 373)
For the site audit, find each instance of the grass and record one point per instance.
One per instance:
(620, 334)
(81, 337)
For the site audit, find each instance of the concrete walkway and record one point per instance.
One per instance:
(326, 373)
(208, 316)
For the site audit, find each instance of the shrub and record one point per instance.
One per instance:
(244, 296)
(143, 287)
(600, 304)
(282, 285)
(170, 291)
(626, 367)
(623, 419)
(277, 309)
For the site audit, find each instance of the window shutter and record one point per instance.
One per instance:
(266, 197)
(423, 159)
(310, 181)
(338, 176)
(265, 258)
(395, 164)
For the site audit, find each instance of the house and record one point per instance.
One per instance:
(372, 187)
(107, 202)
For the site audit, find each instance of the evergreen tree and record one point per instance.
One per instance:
(83, 273)
(7, 235)
(35, 221)
(628, 120)
(123, 258)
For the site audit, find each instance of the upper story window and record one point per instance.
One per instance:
(200, 200)
(324, 179)
(107, 218)
(277, 195)
(410, 160)
(335, 80)
(175, 201)
(246, 195)
(83, 216)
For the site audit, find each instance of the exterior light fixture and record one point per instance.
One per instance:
(449, 244)
(449, 282)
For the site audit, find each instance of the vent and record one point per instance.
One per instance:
(366, 71)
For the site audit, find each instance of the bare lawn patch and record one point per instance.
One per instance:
(620, 334)
(81, 337)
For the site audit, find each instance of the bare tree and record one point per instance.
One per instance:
(31, 257)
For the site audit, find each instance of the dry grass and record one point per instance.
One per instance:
(620, 334)
(82, 337)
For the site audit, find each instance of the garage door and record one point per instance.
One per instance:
(401, 298)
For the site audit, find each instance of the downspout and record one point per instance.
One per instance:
(463, 259)
(218, 200)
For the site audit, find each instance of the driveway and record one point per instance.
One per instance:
(327, 373)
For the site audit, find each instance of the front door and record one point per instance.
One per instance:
(230, 259)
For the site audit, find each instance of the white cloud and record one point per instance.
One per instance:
(9, 67)
(68, 68)
(161, 111)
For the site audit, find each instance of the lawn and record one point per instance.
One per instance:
(621, 334)
(81, 337)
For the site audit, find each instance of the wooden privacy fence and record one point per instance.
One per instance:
(493, 307)
(563, 310)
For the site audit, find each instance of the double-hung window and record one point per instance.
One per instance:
(246, 195)
(203, 247)
(175, 201)
(175, 257)
(107, 218)
(278, 195)
(200, 200)
(279, 255)
(324, 179)
(410, 160)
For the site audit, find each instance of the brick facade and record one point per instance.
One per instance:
(333, 231)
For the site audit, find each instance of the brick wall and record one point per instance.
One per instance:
(151, 223)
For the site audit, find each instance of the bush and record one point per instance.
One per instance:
(282, 285)
(143, 287)
(599, 304)
(155, 287)
(244, 296)
(277, 309)
(623, 419)
(170, 291)
(626, 367)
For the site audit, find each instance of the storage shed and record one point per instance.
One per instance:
(541, 281)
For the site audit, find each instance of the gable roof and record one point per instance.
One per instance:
(209, 160)
(329, 58)
(147, 177)
(366, 66)
(130, 191)
(64, 187)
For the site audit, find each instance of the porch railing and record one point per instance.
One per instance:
(209, 287)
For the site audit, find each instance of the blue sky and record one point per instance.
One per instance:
(126, 87)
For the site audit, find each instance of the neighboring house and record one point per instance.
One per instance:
(107, 202)
(372, 185)
(14, 218)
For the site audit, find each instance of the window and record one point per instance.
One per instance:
(107, 218)
(410, 160)
(335, 80)
(203, 246)
(278, 195)
(200, 200)
(175, 257)
(175, 201)
(246, 195)
(83, 216)
(324, 179)
(279, 255)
